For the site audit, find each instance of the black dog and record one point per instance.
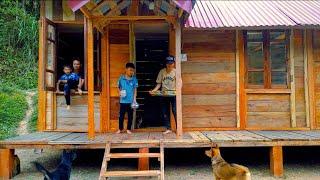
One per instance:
(63, 170)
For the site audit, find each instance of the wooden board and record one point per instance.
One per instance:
(63, 140)
(209, 79)
(316, 60)
(76, 119)
(299, 79)
(268, 111)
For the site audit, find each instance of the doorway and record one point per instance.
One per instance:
(151, 48)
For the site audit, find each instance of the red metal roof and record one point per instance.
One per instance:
(237, 14)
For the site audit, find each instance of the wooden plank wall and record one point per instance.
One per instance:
(209, 79)
(76, 119)
(299, 78)
(268, 111)
(316, 59)
(272, 110)
(119, 56)
(58, 10)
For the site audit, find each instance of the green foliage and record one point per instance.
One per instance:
(32, 125)
(13, 105)
(18, 43)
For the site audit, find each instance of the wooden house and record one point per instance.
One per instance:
(243, 69)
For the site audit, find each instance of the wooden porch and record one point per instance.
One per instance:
(194, 139)
(275, 140)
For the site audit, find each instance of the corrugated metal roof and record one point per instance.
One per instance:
(237, 14)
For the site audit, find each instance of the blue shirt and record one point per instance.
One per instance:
(129, 85)
(71, 76)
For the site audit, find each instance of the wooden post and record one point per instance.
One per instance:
(172, 52)
(6, 163)
(178, 78)
(292, 83)
(237, 79)
(276, 161)
(132, 55)
(91, 127)
(143, 163)
(242, 93)
(41, 69)
(104, 101)
(309, 79)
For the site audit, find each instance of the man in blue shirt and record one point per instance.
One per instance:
(70, 81)
(127, 86)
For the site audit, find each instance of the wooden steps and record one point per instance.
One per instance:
(132, 173)
(133, 155)
(104, 174)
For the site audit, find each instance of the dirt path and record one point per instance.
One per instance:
(23, 125)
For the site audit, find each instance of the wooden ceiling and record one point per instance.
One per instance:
(104, 11)
(133, 8)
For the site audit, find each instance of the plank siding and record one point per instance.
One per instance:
(268, 111)
(209, 79)
(316, 59)
(299, 79)
(119, 56)
(76, 119)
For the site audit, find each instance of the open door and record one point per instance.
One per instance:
(49, 58)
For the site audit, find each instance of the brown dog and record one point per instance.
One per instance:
(225, 171)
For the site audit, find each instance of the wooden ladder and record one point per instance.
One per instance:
(104, 174)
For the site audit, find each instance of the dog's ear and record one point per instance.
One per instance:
(209, 153)
(214, 145)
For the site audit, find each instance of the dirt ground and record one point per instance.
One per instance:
(300, 163)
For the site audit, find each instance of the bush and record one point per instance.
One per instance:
(13, 106)
(18, 44)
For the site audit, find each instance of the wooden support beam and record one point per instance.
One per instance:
(6, 163)
(237, 79)
(134, 18)
(132, 42)
(309, 79)
(276, 161)
(134, 8)
(85, 12)
(178, 78)
(172, 40)
(143, 163)
(90, 66)
(117, 10)
(242, 93)
(41, 124)
(292, 82)
(104, 101)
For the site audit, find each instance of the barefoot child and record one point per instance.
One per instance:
(127, 86)
(70, 81)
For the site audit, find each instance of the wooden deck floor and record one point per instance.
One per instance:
(189, 139)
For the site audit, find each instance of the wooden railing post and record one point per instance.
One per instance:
(178, 78)
(90, 66)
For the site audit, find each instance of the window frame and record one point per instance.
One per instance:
(267, 69)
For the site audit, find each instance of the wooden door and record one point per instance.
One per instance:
(49, 59)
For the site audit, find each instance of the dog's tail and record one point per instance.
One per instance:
(43, 170)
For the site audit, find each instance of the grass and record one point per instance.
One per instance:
(32, 125)
(13, 106)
